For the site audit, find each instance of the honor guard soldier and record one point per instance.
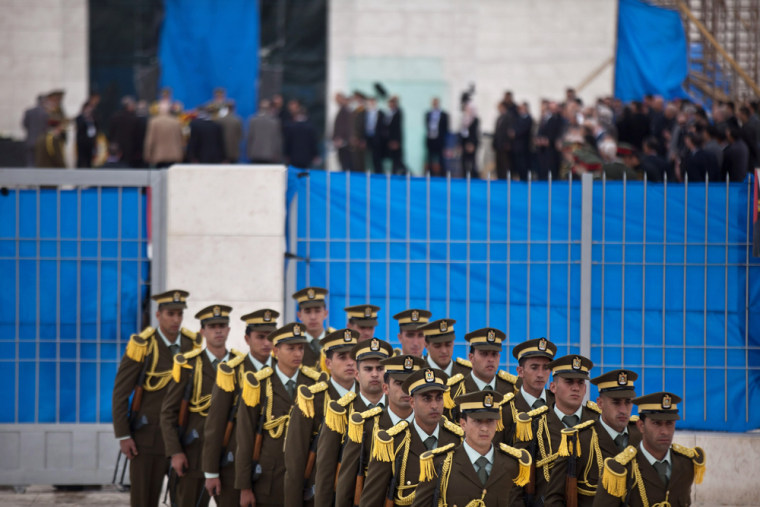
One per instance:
(485, 355)
(656, 471)
(363, 426)
(369, 373)
(146, 371)
(533, 358)
(394, 466)
(479, 472)
(186, 405)
(409, 335)
(569, 375)
(362, 318)
(268, 396)
(312, 312)
(439, 341)
(595, 441)
(219, 441)
(309, 413)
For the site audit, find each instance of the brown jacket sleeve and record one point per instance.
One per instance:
(377, 482)
(124, 384)
(349, 467)
(245, 434)
(328, 453)
(297, 442)
(215, 426)
(170, 414)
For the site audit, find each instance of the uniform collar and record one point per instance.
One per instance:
(651, 459)
(396, 419)
(382, 400)
(560, 414)
(166, 340)
(283, 378)
(529, 398)
(258, 364)
(482, 384)
(613, 433)
(212, 357)
(474, 455)
(342, 391)
(423, 435)
(446, 370)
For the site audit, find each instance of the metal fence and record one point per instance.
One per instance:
(654, 277)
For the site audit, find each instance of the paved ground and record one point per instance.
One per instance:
(48, 495)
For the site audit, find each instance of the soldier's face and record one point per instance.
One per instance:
(370, 376)
(568, 393)
(289, 355)
(656, 435)
(258, 344)
(535, 373)
(365, 332)
(478, 433)
(484, 363)
(397, 398)
(441, 353)
(616, 412)
(170, 321)
(428, 407)
(215, 334)
(342, 367)
(313, 318)
(412, 342)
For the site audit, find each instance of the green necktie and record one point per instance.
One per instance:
(662, 470)
(215, 363)
(430, 443)
(538, 403)
(290, 386)
(621, 441)
(488, 388)
(570, 420)
(174, 349)
(481, 463)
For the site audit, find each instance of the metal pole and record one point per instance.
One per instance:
(586, 232)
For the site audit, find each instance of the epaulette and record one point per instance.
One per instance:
(147, 332)
(634, 419)
(697, 456)
(137, 346)
(310, 372)
(593, 406)
(463, 362)
(330, 329)
(196, 338)
(335, 415)
(180, 361)
(454, 428)
(236, 358)
(584, 425)
(614, 474)
(427, 468)
(383, 448)
(525, 460)
(225, 373)
(347, 398)
(251, 389)
(448, 401)
(356, 423)
(505, 400)
(512, 379)
(524, 427)
(305, 397)
(264, 373)
(538, 411)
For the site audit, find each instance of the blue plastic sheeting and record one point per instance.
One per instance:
(510, 258)
(651, 52)
(78, 287)
(210, 43)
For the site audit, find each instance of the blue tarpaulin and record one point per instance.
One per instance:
(651, 52)
(669, 281)
(210, 43)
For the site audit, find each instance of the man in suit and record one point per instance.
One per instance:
(597, 440)
(312, 311)
(163, 139)
(410, 335)
(219, 431)
(342, 132)
(358, 141)
(362, 318)
(394, 467)
(656, 471)
(395, 132)
(305, 426)
(268, 397)
(436, 135)
(206, 143)
(478, 470)
(122, 129)
(144, 374)
(264, 137)
(232, 131)
(699, 162)
(439, 342)
(186, 405)
(376, 133)
(501, 141)
(300, 141)
(362, 426)
(522, 141)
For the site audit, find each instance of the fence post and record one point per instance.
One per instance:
(587, 196)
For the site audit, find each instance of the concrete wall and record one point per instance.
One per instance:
(421, 48)
(43, 46)
(226, 239)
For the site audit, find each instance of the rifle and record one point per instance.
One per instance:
(530, 488)
(185, 440)
(308, 492)
(389, 500)
(359, 485)
(227, 456)
(571, 481)
(255, 465)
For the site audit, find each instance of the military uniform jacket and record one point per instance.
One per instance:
(596, 445)
(380, 473)
(201, 377)
(157, 359)
(331, 439)
(503, 382)
(302, 429)
(641, 476)
(222, 403)
(461, 485)
(275, 404)
(462, 366)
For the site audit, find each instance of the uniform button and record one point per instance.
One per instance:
(408, 483)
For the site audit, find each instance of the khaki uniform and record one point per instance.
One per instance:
(405, 449)
(456, 482)
(147, 469)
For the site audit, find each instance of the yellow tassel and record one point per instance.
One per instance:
(499, 421)
(225, 378)
(356, 427)
(448, 403)
(335, 417)
(136, 348)
(305, 401)
(323, 361)
(523, 476)
(179, 361)
(427, 468)
(566, 448)
(523, 427)
(251, 390)
(613, 481)
(699, 465)
(147, 332)
(383, 448)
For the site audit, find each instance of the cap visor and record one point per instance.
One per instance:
(482, 414)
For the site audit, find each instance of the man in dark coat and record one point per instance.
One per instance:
(206, 143)
(376, 135)
(735, 155)
(395, 124)
(521, 144)
(699, 162)
(122, 128)
(342, 132)
(301, 142)
(436, 134)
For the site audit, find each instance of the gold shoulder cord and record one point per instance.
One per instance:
(277, 426)
(401, 483)
(199, 403)
(546, 458)
(596, 455)
(445, 475)
(643, 492)
(155, 380)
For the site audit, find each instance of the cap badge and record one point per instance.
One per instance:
(177, 297)
(408, 363)
(542, 344)
(267, 316)
(367, 312)
(310, 294)
(488, 400)
(415, 315)
(217, 311)
(374, 345)
(297, 330)
(576, 363)
(491, 336)
(429, 375)
(347, 336)
(444, 326)
(622, 378)
(666, 401)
